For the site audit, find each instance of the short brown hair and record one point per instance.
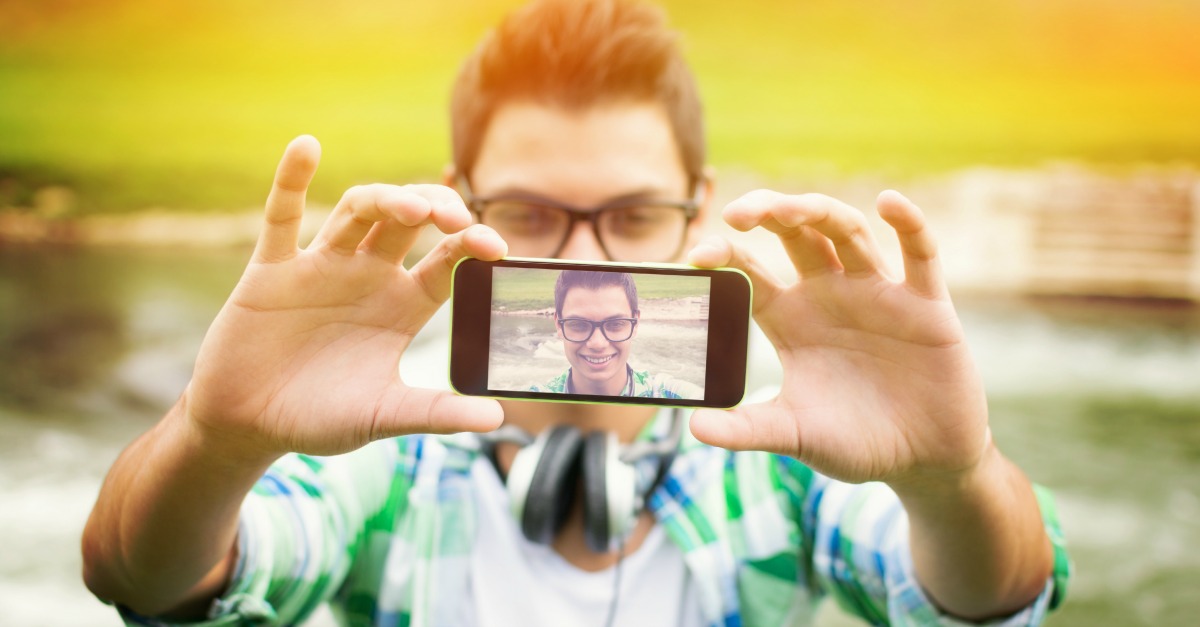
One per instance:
(575, 54)
(593, 280)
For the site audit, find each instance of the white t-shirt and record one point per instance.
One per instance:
(515, 582)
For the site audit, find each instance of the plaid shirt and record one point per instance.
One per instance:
(641, 384)
(385, 534)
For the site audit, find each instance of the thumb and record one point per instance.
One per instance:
(758, 427)
(404, 411)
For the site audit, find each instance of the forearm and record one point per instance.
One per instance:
(978, 542)
(161, 537)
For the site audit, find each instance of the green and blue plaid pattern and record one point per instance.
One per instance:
(385, 535)
(643, 384)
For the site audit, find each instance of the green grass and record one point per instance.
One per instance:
(652, 286)
(138, 104)
(524, 289)
(528, 289)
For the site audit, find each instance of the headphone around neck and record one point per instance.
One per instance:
(546, 473)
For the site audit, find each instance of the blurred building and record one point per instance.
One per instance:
(1076, 231)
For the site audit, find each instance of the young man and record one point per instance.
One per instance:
(870, 474)
(596, 316)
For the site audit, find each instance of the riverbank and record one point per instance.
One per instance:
(1056, 230)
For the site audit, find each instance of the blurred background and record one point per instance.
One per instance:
(1054, 145)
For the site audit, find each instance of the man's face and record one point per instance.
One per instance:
(581, 158)
(598, 362)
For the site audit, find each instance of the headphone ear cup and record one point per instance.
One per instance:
(610, 485)
(595, 491)
(542, 501)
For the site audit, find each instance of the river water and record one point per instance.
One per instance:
(1098, 399)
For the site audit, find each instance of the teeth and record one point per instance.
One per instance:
(596, 360)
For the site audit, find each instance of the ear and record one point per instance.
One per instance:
(707, 187)
(706, 193)
(450, 176)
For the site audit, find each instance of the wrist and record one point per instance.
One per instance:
(941, 486)
(231, 451)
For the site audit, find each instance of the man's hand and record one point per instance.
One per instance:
(878, 380)
(303, 357)
(879, 386)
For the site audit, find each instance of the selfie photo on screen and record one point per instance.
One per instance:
(598, 333)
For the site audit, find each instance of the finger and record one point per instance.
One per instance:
(843, 226)
(717, 252)
(759, 427)
(450, 213)
(405, 410)
(391, 240)
(362, 207)
(922, 270)
(433, 272)
(285, 204)
(811, 253)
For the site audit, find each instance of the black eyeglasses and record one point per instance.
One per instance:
(580, 330)
(628, 229)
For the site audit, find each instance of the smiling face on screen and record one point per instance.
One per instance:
(598, 363)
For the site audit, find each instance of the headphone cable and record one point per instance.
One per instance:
(612, 607)
(668, 449)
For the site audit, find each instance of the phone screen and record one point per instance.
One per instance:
(624, 334)
(569, 331)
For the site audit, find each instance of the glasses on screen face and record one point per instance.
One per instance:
(627, 229)
(580, 330)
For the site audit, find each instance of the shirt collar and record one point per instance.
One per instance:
(628, 381)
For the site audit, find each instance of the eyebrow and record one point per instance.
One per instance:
(517, 193)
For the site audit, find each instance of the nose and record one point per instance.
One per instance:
(597, 340)
(582, 245)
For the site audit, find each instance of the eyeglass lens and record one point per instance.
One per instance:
(638, 233)
(581, 330)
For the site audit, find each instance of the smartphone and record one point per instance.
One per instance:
(566, 331)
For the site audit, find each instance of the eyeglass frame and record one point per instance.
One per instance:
(575, 214)
(633, 322)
